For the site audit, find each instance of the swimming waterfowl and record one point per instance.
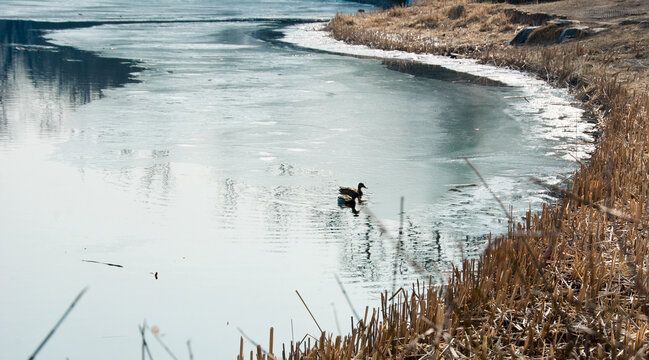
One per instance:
(347, 201)
(353, 192)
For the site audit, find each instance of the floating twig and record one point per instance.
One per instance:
(103, 263)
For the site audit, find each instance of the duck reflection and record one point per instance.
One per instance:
(346, 201)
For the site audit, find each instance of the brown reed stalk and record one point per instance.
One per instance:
(307, 309)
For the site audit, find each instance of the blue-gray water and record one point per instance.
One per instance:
(187, 139)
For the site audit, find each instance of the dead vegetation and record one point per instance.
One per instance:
(570, 281)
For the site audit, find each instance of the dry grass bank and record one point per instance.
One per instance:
(569, 282)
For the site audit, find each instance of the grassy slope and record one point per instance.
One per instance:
(569, 282)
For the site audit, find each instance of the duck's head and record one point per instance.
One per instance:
(361, 185)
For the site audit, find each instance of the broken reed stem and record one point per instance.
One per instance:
(249, 339)
(333, 307)
(307, 309)
(164, 346)
(189, 348)
(145, 346)
(349, 302)
(509, 216)
(58, 323)
(502, 206)
(270, 342)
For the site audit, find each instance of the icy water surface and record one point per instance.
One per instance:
(203, 142)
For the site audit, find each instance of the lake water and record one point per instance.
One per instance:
(205, 140)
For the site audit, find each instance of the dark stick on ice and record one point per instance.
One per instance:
(58, 323)
(103, 263)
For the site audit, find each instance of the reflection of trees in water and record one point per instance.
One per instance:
(230, 202)
(279, 212)
(371, 256)
(3, 112)
(60, 73)
(156, 182)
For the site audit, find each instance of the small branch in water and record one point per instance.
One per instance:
(103, 263)
(307, 309)
(58, 323)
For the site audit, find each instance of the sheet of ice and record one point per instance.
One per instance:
(555, 114)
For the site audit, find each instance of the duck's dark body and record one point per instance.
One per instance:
(353, 192)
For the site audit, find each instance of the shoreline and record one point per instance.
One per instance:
(571, 280)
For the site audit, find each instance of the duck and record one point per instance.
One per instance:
(353, 192)
(347, 201)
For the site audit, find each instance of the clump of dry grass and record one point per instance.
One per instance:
(427, 26)
(570, 281)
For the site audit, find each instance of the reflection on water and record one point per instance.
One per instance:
(438, 72)
(74, 74)
(63, 76)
